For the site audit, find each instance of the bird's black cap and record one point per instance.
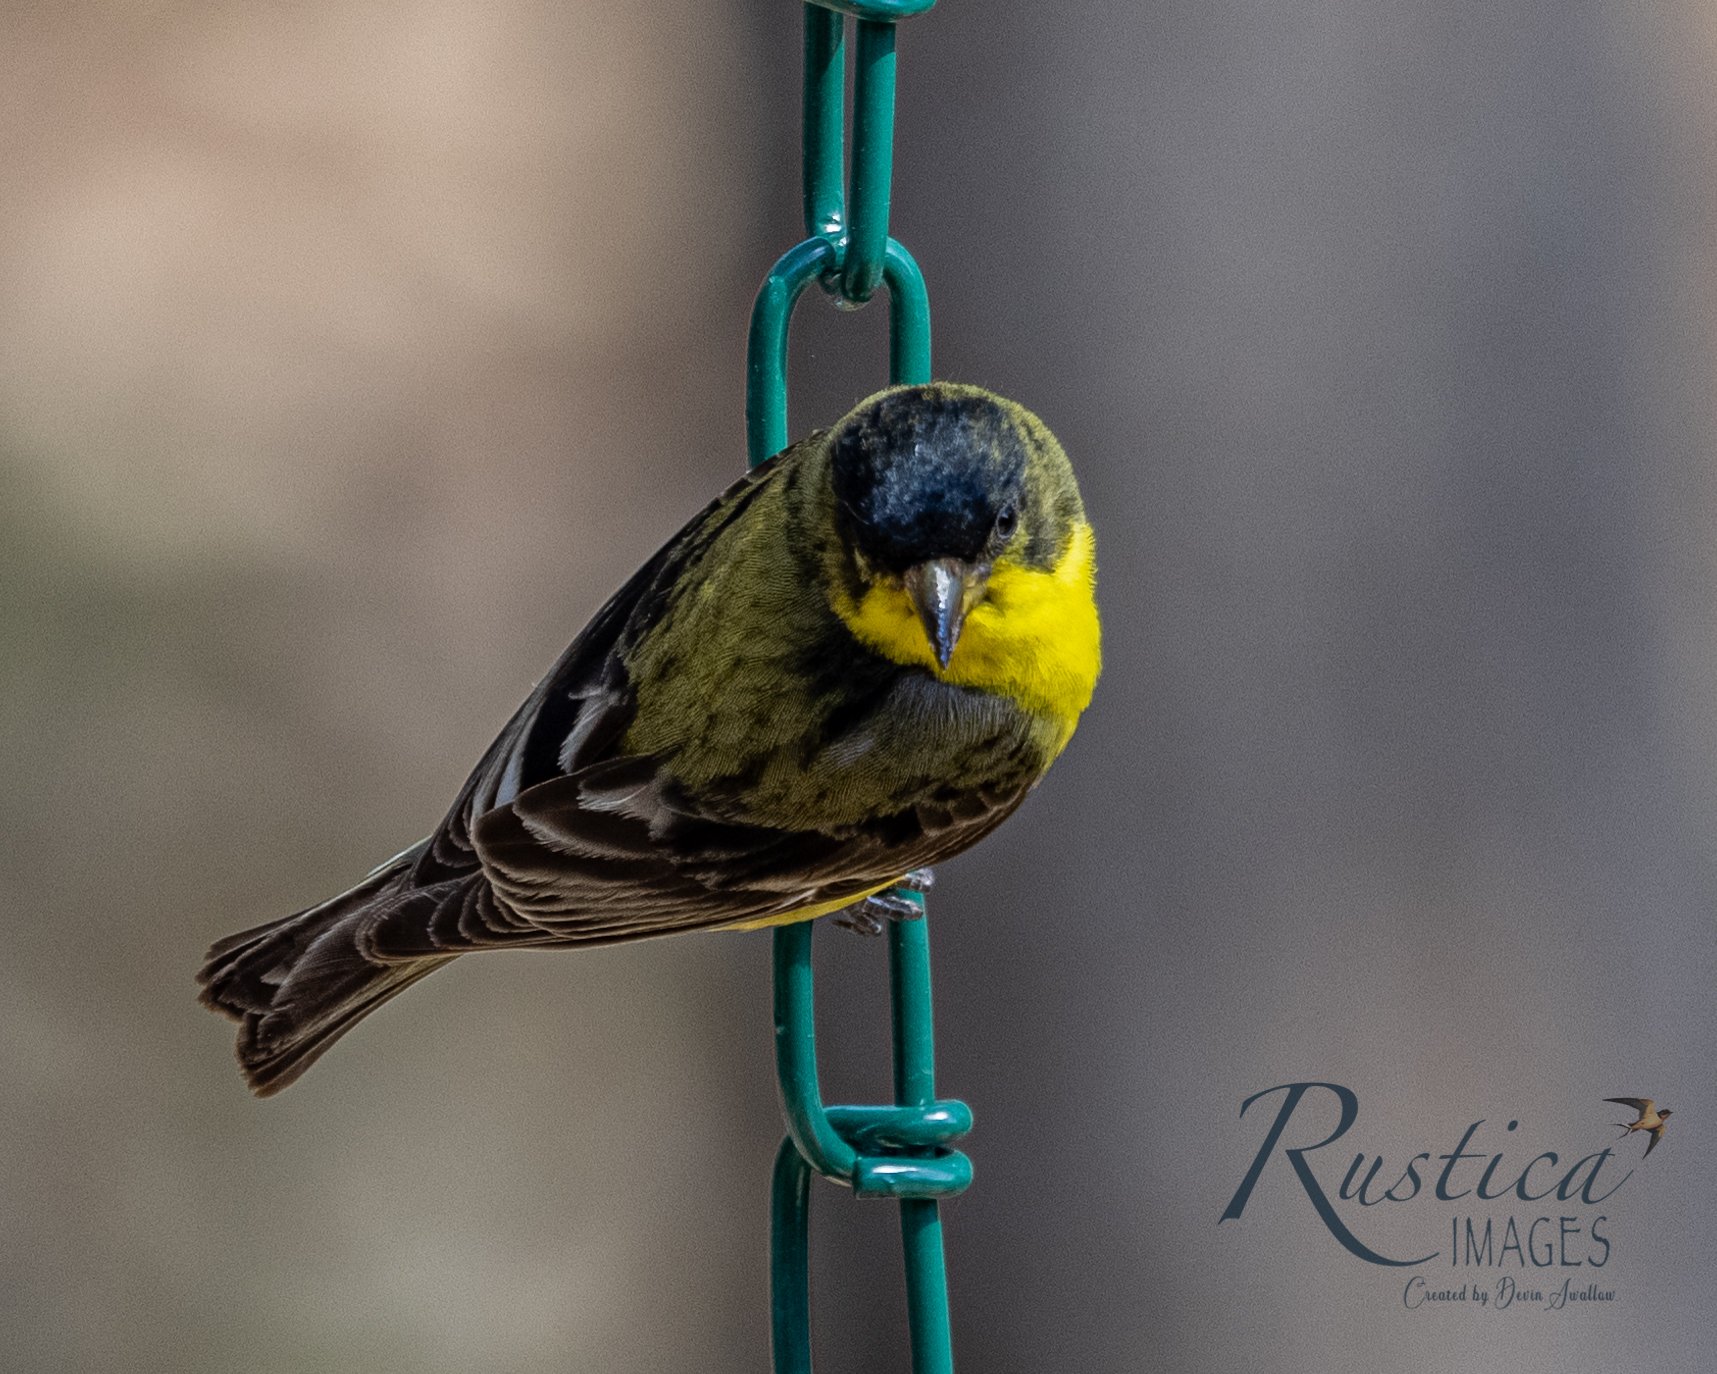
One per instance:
(922, 472)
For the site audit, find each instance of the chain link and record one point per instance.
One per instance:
(902, 1150)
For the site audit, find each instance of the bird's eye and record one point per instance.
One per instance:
(1007, 518)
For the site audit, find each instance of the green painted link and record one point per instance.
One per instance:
(873, 161)
(876, 1130)
(824, 122)
(855, 222)
(766, 358)
(790, 1262)
(901, 1155)
(915, 1086)
(899, 1151)
(918, 1121)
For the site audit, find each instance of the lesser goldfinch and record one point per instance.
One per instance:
(855, 662)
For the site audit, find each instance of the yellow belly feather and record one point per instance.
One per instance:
(807, 913)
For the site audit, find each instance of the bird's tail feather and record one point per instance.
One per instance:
(296, 985)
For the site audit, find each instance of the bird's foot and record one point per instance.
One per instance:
(868, 917)
(919, 880)
(895, 907)
(858, 919)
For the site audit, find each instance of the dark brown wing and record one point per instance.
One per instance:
(609, 853)
(1642, 1105)
(612, 846)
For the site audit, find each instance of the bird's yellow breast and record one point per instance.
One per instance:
(1034, 638)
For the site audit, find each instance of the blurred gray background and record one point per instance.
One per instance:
(351, 353)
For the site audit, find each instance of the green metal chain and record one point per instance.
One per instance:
(899, 1151)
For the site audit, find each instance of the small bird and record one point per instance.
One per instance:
(854, 663)
(1650, 1120)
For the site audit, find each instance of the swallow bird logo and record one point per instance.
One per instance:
(1650, 1119)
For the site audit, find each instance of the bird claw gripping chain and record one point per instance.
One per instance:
(902, 1150)
(905, 902)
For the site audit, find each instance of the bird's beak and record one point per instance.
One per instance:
(942, 591)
